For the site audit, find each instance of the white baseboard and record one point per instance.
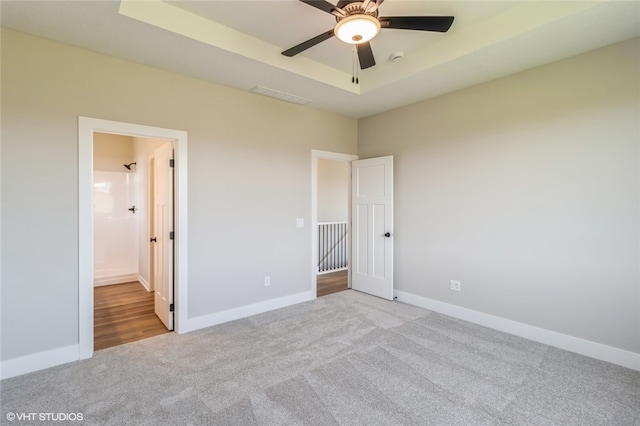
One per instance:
(38, 361)
(245, 311)
(115, 279)
(144, 283)
(570, 343)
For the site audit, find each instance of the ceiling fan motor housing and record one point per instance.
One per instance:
(354, 8)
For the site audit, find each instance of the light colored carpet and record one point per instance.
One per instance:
(344, 359)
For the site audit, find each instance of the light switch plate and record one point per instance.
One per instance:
(299, 222)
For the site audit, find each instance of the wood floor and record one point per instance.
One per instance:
(123, 313)
(332, 282)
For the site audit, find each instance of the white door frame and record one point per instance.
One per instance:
(315, 156)
(86, 128)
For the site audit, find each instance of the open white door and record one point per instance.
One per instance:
(372, 220)
(163, 235)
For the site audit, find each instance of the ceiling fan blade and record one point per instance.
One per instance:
(322, 5)
(422, 23)
(307, 44)
(365, 55)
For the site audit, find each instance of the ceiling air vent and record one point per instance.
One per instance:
(280, 95)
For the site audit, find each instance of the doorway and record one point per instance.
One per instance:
(370, 223)
(87, 128)
(331, 221)
(124, 190)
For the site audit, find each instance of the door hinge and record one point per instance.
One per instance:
(172, 163)
(172, 235)
(171, 307)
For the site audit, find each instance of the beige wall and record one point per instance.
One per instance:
(110, 152)
(527, 190)
(333, 190)
(249, 179)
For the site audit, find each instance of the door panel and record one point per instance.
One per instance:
(361, 244)
(163, 226)
(371, 181)
(378, 246)
(372, 199)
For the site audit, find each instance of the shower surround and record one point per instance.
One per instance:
(116, 227)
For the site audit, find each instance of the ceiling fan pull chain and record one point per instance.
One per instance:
(353, 67)
(356, 66)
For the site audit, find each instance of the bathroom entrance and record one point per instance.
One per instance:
(127, 188)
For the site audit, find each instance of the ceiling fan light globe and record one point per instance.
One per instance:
(356, 29)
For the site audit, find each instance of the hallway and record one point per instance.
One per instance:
(332, 282)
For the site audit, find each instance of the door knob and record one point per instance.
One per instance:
(132, 209)
(387, 234)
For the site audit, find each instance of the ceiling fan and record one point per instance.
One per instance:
(358, 22)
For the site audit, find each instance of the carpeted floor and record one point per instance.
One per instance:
(347, 359)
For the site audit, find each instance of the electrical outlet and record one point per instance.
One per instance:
(454, 285)
(267, 281)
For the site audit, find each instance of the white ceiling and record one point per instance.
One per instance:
(238, 43)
